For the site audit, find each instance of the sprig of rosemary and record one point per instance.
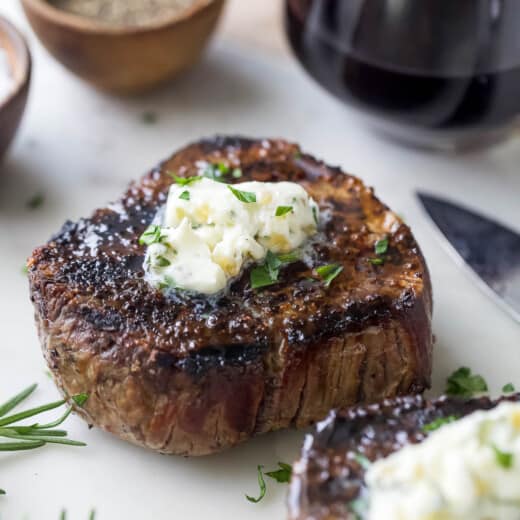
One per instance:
(30, 437)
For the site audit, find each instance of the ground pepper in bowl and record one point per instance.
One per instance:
(125, 13)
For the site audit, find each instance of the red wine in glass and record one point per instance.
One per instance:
(435, 73)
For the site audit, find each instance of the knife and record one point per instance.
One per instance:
(489, 249)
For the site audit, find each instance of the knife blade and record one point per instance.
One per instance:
(489, 249)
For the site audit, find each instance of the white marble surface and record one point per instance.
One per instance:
(80, 148)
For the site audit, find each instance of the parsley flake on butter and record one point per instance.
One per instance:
(243, 196)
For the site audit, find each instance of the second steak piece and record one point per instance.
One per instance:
(189, 374)
(329, 477)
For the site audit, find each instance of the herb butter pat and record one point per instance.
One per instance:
(467, 469)
(209, 230)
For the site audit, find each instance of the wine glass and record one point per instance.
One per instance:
(433, 73)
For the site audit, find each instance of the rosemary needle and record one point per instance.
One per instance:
(32, 436)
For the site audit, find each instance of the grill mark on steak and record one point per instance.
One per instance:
(327, 477)
(165, 370)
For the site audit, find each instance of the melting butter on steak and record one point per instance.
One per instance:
(190, 374)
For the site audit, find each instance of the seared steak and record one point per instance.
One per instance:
(189, 374)
(328, 477)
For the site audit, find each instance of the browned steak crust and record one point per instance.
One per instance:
(328, 477)
(193, 375)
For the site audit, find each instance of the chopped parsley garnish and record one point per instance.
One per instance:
(358, 508)
(243, 196)
(260, 277)
(161, 261)
(167, 283)
(315, 214)
(216, 171)
(328, 272)
(381, 246)
(281, 475)
(509, 388)
(236, 173)
(152, 235)
(362, 460)
(184, 181)
(267, 273)
(2, 492)
(289, 258)
(380, 249)
(185, 195)
(149, 118)
(36, 201)
(463, 383)
(437, 423)
(283, 210)
(503, 458)
(261, 484)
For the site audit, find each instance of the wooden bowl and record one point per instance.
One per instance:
(13, 106)
(124, 60)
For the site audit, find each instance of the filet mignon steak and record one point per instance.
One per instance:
(188, 374)
(328, 477)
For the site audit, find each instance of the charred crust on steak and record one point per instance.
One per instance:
(103, 326)
(328, 476)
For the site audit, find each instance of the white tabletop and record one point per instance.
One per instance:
(80, 148)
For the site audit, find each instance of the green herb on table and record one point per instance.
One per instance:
(283, 210)
(462, 383)
(36, 201)
(185, 195)
(149, 118)
(34, 435)
(504, 459)
(261, 484)
(328, 272)
(281, 475)
(246, 197)
(438, 423)
(268, 272)
(508, 389)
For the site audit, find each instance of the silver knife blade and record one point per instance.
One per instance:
(491, 250)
